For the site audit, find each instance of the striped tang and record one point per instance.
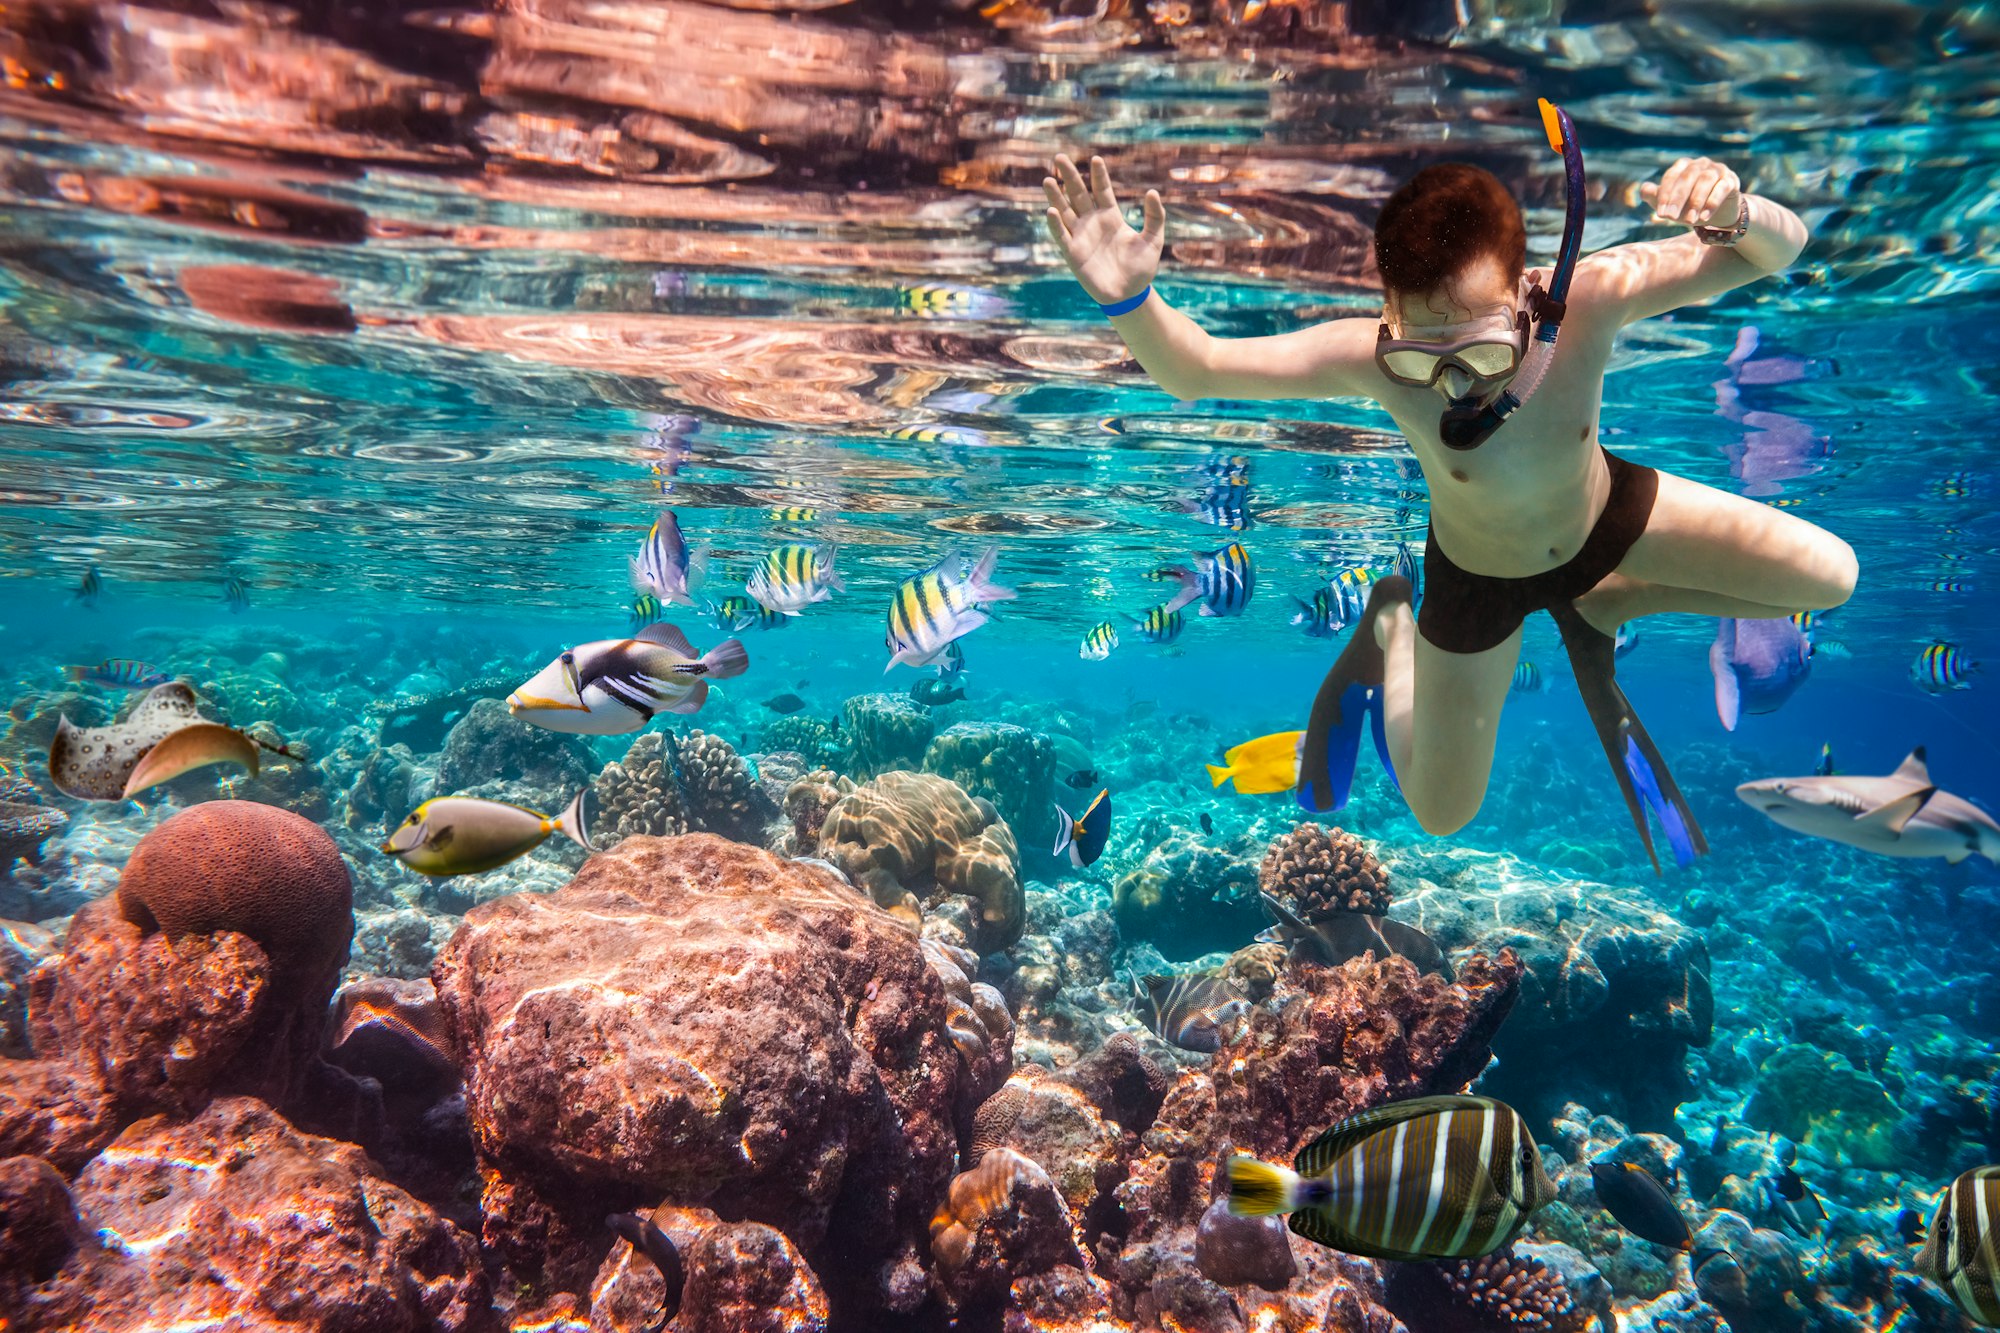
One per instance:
(1527, 679)
(1162, 624)
(736, 614)
(1942, 666)
(943, 603)
(1960, 1253)
(235, 594)
(646, 609)
(1221, 581)
(793, 577)
(1098, 641)
(1429, 1178)
(123, 673)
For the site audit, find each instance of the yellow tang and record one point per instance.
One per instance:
(1267, 764)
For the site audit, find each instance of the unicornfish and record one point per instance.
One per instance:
(1901, 814)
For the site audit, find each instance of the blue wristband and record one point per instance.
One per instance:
(1129, 304)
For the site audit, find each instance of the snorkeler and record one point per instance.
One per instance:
(1528, 511)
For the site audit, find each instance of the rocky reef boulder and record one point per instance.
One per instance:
(698, 1020)
(235, 1219)
(1614, 994)
(1189, 897)
(1011, 766)
(489, 752)
(884, 732)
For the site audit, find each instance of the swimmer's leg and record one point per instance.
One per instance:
(1443, 717)
(1618, 599)
(1733, 556)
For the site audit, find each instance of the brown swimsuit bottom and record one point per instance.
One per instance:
(1463, 612)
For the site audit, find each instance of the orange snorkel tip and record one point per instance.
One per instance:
(1551, 125)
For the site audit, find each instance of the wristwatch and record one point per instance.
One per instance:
(1727, 235)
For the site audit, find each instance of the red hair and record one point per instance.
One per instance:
(1443, 221)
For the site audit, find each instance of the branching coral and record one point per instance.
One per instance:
(1317, 871)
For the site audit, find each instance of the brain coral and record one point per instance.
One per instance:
(913, 839)
(242, 866)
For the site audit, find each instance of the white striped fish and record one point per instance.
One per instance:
(663, 566)
(1221, 581)
(1429, 1178)
(793, 577)
(940, 605)
(1942, 666)
(613, 686)
(1960, 1253)
(1098, 642)
(1162, 625)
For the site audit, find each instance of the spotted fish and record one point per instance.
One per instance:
(99, 763)
(1960, 1253)
(1429, 1178)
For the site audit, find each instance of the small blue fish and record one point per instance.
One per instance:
(1084, 836)
(1943, 666)
(1225, 502)
(663, 566)
(1336, 606)
(1527, 679)
(1757, 664)
(1626, 640)
(235, 594)
(88, 587)
(646, 610)
(121, 673)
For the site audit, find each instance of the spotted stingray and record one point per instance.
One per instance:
(163, 737)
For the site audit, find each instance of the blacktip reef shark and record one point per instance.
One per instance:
(1902, 814)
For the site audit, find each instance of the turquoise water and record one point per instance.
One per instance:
(419, 361)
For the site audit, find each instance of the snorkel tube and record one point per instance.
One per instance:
(1467, 424)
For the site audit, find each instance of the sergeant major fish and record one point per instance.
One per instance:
(123, 673)
(1221, 581)
(1428, 1178)
(612, 686)
(1336, 606)
(1160, 625)
(235, 595)
(942, 604)
(1942, 666)
(1098, 641)
(736, 614)
(464, 835)
(793, 577)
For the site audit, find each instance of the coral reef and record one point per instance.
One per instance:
(737, 1277)
(393, 1031)
(975, 1015)
(1002, 1220)
(241, 866)
(1238, 1251)
(806, 804)
(1510, 1291)
(697, 1019)
(489, 752)
(22, 947)
(1318, 871)
(1012, 767)
(912, 840)
(236, 1219)
(884, 732)
(669, 784)
(1189, 897)
(818, 741)
(25, 823)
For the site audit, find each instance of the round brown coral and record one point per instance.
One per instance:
(1505, 1292)
(721, 796)
(638, 794)
(1317, 872)
(806, 804)
(911, 840)
(242, 866)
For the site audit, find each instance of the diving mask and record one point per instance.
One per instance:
(1477, 353)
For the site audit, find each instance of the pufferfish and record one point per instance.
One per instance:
(613, 686)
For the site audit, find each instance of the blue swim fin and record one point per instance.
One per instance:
(1351, 692)
(1643, 776)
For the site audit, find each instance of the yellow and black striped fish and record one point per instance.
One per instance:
(1159, 625)
(792, 515)
(646, 609)
(792, 578)
(1429, 1178)
(1098, 642)
(1960, 1254)
(1807, 621)
(940, 434)
(940, 605)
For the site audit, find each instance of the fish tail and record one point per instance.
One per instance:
(1258, 1189)
(979, 583)
(1065, 831)
(728, 658)
(1218, 776)
(577, 819)
(828, 575)
(75, 672)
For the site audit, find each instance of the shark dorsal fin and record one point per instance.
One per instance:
(1914, 768)
(1891, 816)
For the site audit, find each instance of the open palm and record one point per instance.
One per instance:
(1110, 258)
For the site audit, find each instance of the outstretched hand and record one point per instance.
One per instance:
(1696, 192)
(1110, 258)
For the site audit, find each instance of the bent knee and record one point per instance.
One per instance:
(1844, 570)
(1444, 814)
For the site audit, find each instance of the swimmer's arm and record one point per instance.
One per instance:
(1648, 278)
(1331, 360)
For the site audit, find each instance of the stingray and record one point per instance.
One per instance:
(164, 737)
(1345, 935)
